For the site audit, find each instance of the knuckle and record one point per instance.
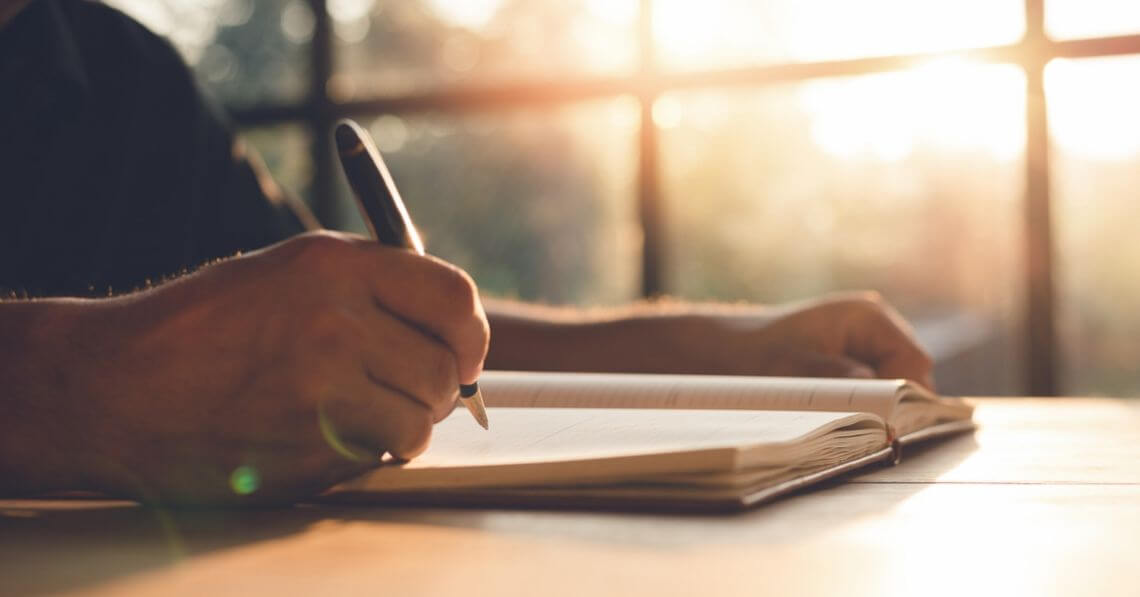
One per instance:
(459, 291)
(868, 301)
(320, 247)
(866, 304)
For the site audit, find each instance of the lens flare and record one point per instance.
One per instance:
(245, 480)
(332, 438)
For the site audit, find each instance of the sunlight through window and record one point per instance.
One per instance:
(884, 173)
(718, 33)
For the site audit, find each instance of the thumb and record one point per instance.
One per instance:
(826, 365)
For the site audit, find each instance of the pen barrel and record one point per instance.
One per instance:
(386, 216)
(375, 192)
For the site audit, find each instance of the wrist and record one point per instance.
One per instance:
(42, 442)
(642, 342)
(658, 337)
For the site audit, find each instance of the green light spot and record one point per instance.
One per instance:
(244, 480)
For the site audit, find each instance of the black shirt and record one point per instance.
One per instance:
(114, 169)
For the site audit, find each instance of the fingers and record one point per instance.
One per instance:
(379, 420)
(394, 332)
(438, 298)
(879, 336)
(358, 407)
(399, 357)
(427, 293)
(368, 345)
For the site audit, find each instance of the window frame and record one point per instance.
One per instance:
(1041, 355)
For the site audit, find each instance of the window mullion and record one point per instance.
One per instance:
(321, 116)
(649, 203)
(1040, 338)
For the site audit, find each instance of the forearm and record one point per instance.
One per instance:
(655, 337)
(39, 449)
(841, 335)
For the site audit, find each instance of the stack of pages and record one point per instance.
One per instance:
(659, 441)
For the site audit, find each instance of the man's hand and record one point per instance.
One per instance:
(262, 378)
(844, 335)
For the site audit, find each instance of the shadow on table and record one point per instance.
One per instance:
(51, 546)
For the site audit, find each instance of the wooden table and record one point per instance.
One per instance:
(1043, 500)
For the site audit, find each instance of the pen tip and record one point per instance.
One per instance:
(475, 406)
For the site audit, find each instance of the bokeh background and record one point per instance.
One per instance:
(590, 152)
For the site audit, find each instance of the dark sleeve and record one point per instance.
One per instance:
(242, 207)
(180, 187)
(236, 204)
(117, 169)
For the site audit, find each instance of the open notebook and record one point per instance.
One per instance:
(666, 441)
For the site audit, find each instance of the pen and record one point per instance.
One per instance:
(384, 213)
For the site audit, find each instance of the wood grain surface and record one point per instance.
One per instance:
(1043, 500)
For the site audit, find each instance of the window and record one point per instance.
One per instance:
(593, 151)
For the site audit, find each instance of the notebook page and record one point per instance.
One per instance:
(610, 390)
(544, 446)
(920, 409)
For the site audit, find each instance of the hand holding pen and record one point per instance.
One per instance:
(384, 212)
